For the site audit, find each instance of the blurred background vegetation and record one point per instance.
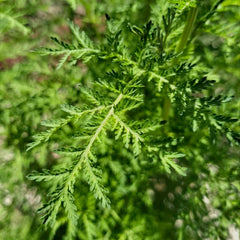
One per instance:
(31, 90)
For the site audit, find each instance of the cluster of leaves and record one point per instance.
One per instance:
(140, 139)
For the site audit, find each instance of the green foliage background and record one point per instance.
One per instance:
(173, 179)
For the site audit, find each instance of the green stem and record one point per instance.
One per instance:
(166, 108)
(191, 18)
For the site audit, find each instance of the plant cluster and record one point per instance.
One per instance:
(139, 111)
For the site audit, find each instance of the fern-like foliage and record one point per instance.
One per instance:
(99, 120)
(125, 94)
(123, 106)
(83, 49)
(7, 21)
